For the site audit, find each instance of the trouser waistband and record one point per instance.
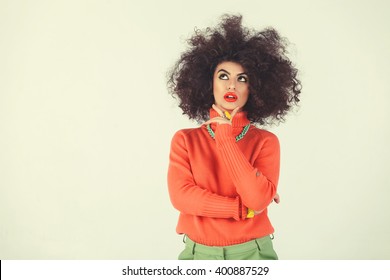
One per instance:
(227, 250)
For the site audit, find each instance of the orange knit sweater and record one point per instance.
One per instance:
(212, 182)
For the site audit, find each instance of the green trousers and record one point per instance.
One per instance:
(257, 249)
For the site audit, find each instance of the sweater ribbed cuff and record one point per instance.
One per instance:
(243, 211)
(223, 207)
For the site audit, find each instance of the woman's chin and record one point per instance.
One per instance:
(229, 107)
(226, 107)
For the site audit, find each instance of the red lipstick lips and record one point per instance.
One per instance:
(230, 97)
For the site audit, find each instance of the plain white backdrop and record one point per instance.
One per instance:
(86, 123)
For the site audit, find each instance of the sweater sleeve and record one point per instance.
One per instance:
(256, 184)
(189, 198)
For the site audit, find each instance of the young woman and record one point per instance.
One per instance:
(223, 175)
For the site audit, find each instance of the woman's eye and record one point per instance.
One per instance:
(223, 77)
(242, 79)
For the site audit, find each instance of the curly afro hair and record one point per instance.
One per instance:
(273, 84)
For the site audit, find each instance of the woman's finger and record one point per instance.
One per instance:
(218, 120)
(219, 111)
(235, 111)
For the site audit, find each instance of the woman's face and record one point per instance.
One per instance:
(230, 86)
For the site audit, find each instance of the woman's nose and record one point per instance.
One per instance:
(232, 85)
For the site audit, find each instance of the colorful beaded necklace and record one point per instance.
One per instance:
(238, 137)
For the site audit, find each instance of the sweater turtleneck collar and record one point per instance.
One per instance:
(239, 120)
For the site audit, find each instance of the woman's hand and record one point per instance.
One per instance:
(222, 119)
(276, 199)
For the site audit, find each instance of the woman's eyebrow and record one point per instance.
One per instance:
(239, 74)
(223, 71)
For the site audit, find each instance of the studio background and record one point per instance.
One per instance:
(86, 124)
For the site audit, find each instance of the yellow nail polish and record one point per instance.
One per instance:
(251, 213)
